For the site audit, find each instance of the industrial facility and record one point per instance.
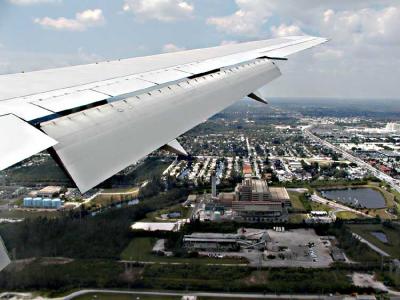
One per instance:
(254, 201)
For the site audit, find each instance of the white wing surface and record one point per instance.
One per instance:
(108, 115)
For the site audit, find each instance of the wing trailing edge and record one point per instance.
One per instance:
(175, 147)
(100, 142)
(20, 140)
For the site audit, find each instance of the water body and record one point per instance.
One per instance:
(380, 236)
(358, 197)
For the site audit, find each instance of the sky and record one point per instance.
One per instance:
(362, 59)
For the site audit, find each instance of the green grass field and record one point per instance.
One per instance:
(139, 249)
(297, 218)
(110, 196)
(301, 203)
(296, 202)
(319, 206)
(347, 215)
(22, 214)
(156, 216)
(393, 235)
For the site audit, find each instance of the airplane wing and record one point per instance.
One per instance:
(102, 117)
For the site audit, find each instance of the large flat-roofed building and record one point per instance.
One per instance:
(201, 241)
(254, 201)
(280, 194)
(211, 242)
(252, 190)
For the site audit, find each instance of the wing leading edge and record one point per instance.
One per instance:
(145, 110)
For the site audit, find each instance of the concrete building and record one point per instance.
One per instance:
(337, 254)
(226, 199)
(254, 201)
(259, 211)
(252, 189)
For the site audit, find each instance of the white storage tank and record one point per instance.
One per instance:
(37, 202)
(56, 203)
(28, 202)
(47, 203)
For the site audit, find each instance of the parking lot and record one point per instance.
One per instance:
(297, 248)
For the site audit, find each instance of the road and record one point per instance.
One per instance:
(205, 294)
(252, 155)
(181, 263)
(297, 190)
(382, 176)
(372, 246)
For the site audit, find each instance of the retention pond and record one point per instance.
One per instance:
(356, 197)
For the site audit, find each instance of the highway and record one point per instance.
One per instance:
(382, 176)
(206, 294)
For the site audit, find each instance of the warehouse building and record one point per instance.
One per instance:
(49, 192)
(212, 242)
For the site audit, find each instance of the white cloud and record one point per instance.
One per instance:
(363, 26)
(60, 24)
(286, 30)
(328, 54)
(90, 17)
(361, 59)
(32, 2)
(247, 20)
(172, 48)
(161, 10)
(82, 21)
